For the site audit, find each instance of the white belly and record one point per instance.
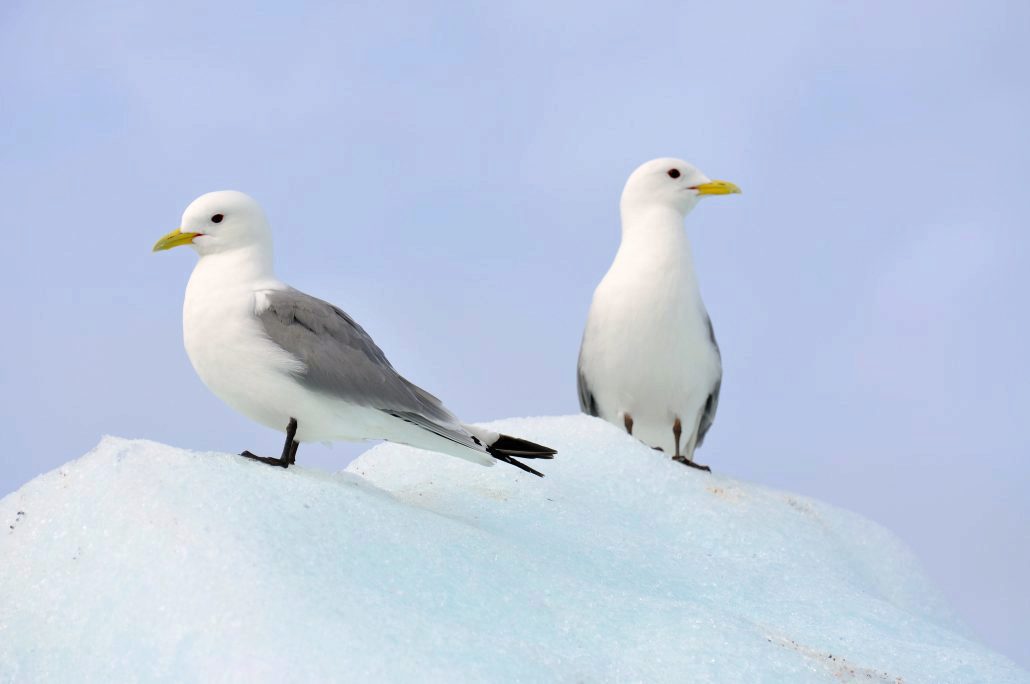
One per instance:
(647, 354)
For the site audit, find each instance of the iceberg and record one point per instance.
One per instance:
(141, 561)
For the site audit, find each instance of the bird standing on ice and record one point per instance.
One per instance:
(295, 363)
(649, 361)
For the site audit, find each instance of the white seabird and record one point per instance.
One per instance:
(649, 361)
(296, 363)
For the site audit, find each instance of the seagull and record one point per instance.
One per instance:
(649, 361)
(295, 363)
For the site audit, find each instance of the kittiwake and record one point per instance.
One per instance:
(649, 361)
(296, 363)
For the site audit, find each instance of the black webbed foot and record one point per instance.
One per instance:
(687, 462)
(266, 459)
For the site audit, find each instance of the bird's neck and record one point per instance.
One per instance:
(244, 267)
(655, 236)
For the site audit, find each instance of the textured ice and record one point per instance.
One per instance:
(142, 561)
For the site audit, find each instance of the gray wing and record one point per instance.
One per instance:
(341, 360)
(712, 403)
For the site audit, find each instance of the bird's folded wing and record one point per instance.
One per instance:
(712, 402)
(341, 360)
(587, 401)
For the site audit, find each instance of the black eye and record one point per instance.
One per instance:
(674, 173)
(217, 218)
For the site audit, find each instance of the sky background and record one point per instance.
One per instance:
(450, 176)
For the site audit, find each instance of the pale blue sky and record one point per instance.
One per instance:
(450, 176)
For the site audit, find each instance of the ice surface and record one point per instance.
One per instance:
(142, 561)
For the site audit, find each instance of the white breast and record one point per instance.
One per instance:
(646, 350)
(227, 348)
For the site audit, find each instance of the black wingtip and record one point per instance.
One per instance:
(506, 448)
(523, 448)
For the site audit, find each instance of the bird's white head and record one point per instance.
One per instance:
(670, 183)
(220, 222)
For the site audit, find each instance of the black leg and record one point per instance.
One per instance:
(627, 420)
(289, 455)
(677, 431)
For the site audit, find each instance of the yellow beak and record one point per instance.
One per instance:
(717, 188)
(174, 239)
